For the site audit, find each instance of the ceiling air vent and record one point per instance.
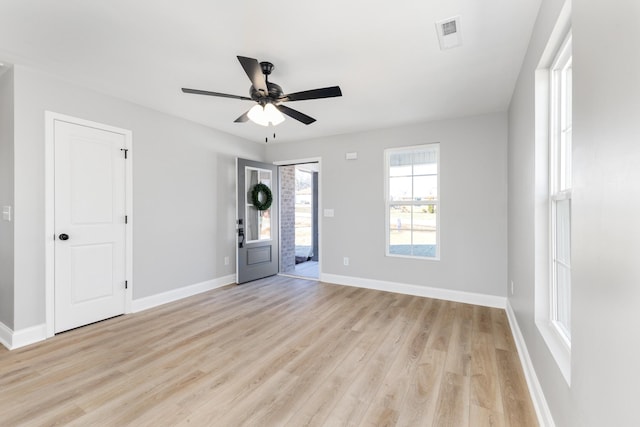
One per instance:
(449, 32)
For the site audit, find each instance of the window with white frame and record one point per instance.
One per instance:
(412, 201)
(552, 193)
(560, 133)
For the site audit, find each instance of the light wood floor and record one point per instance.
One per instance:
(275, 352)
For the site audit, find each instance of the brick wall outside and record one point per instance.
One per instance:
(287, 218)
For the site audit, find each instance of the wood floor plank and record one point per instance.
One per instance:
(351, 409)
(453, 401)
(420, 402)
(459, 350)
(515, 397)
(502, 335)
(275, 352)
(385, 408)
(485, 388)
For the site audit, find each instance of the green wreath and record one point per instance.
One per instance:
(255, 196)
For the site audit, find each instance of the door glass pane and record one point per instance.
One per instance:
(258, 223)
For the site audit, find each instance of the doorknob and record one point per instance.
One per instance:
(63, 236)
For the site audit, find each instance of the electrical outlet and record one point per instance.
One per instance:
(226, 260)
(512, 287)
(346, 261)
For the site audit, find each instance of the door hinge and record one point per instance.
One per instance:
(126, 219)
(126, 150)
(126, 284)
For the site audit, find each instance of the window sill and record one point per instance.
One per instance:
(558, 347)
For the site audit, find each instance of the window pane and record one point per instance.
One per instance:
(563, 300)
(412, 230)
(425, 162)
(563, 231)
(424, 231)
(425, 187)
(400, 188)
(400, 229)
(425, 169)
(400, 164)
(564, 158)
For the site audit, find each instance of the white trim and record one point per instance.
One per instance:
(535, 389)
(417, 290)
(6, 336)
(16, 339)
(180, 293)
(49, 198)
(558, 346)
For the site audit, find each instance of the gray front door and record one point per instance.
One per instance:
(257, 246)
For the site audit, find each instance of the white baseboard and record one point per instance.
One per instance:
(535, 389)
(184, 292)
(6, 335)
(421, 291)
(16, 339)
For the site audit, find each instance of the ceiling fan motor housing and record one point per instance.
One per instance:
(275, 92)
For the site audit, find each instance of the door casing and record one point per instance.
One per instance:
(49, 236)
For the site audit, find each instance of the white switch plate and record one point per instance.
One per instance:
(6, 213)
(328, 212)
(351, 156)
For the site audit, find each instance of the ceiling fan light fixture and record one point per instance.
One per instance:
(265, 115)
(273, 114)
(256, 115)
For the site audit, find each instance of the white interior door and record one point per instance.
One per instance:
(90, 235)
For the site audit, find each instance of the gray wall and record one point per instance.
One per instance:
(473, 203)
(6, 197)
(522, 192)
(606, 205)
(183, 190)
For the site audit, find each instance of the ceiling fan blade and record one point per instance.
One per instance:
(223, 95)
(243, 118)
(295, 114)
(325, 92)
(254, 72)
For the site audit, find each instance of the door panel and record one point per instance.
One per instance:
(90, 209)
(257, 248)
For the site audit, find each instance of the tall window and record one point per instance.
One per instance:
(412, 201)
(560, 189)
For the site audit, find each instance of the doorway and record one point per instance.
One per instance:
(299, 204)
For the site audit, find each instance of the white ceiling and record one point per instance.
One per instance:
(384, 55)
